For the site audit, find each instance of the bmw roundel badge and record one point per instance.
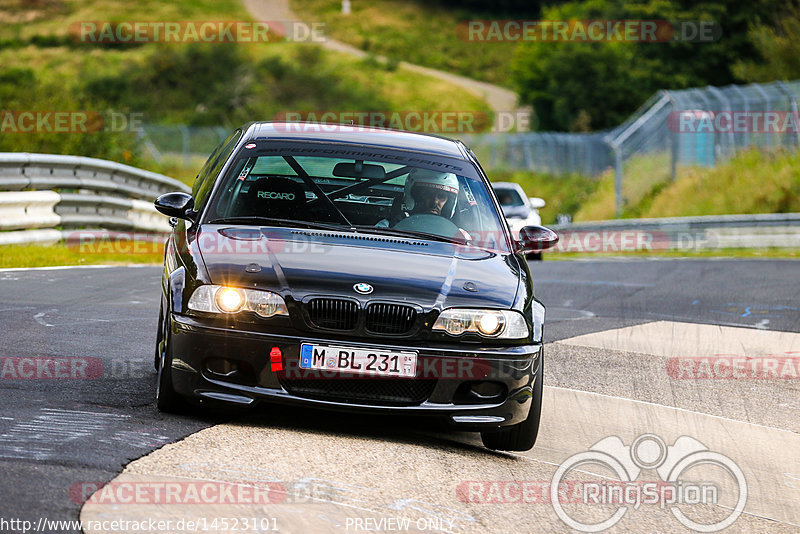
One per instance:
(364, 289)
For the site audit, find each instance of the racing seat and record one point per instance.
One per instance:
(274, 196)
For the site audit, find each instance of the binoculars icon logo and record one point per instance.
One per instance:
(649, 452)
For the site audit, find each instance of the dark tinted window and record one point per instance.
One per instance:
(508, 197)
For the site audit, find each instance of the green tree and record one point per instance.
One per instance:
(778, 46)
(566, 81)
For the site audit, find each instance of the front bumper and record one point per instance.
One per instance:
(445, 388)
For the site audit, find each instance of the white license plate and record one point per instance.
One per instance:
(358, 361)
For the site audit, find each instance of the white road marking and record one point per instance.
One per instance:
(38, 438)
(39, 318)
(683, 318)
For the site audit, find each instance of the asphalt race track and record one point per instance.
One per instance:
(77, 396)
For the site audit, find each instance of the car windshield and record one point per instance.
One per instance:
(368, 196)
(508, 197)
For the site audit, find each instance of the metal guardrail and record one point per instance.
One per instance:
(773, 230)
(39, 192)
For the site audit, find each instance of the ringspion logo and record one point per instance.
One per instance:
(677, 487)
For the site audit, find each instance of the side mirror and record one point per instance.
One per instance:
(176, 205)
(536, 239)
(536, 203)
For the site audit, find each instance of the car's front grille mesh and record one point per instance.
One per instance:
(336, 314)
(342, 314)
(390, 318)
(382, 391)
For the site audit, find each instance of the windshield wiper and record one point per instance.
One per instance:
(408, 233)
(249, 219)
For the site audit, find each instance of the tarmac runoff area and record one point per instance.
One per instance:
(307, 471)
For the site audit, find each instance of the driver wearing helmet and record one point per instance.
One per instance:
(431, 192)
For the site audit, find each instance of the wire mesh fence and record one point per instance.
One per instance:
(699, 127)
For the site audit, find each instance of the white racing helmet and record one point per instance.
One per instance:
(421, 181)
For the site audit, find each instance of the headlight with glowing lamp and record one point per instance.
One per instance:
(498, 324)
(223, 299)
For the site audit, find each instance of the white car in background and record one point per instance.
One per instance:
(519, 210)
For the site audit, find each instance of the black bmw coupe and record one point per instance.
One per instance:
(351, 268)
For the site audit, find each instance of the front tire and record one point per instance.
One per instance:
(167, 399)
(522, 436)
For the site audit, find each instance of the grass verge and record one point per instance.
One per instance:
(61, 254)
(753, 181)
(424, 33)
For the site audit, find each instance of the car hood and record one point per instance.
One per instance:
(301, 263)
